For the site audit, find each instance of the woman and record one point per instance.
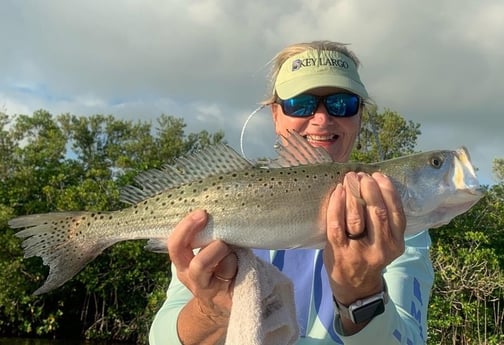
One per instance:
(369, 284)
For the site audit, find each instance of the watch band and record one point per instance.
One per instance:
(362, 310)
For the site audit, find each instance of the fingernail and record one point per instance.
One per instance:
(198, 215)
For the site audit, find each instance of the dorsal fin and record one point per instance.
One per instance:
(298, 151)
(212, 160)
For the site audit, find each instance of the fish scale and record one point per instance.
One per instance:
(281, 206)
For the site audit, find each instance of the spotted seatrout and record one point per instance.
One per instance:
(278, 207)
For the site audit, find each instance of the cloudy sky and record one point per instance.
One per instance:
(438, 63)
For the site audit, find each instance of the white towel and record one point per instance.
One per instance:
(263, 310)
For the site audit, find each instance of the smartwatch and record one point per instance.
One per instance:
(362, 310)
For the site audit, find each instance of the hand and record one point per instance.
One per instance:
(210, 277)
(377, 227)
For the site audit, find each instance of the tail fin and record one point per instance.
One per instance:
(62, 242)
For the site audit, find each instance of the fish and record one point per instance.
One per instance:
(278, 205)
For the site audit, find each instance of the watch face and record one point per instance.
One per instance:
(368, 311)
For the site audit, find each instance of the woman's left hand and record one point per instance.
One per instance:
(365, 233)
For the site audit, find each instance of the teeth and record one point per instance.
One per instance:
(319, 137)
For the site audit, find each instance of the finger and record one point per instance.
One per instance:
(227, 268)
(377, 221)
(203, 266)
(393, 204)
(179, 243)
(336, 217)
(355, 219)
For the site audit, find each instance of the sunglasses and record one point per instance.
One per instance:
(336, 104)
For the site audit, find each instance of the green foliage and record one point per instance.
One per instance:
(467, 304)
(118, 294)
(498, 169)
(384, 136)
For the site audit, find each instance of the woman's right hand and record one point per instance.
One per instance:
(209, 275)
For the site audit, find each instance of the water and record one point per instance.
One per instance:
(23, 341)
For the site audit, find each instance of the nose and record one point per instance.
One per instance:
(321, 116)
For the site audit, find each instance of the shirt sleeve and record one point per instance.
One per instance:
(163, 330)
(409, 280)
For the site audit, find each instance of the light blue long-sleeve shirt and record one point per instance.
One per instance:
(409, 279)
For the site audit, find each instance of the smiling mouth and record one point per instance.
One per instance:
(319, 138)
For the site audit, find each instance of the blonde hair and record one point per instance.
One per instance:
(298, 48)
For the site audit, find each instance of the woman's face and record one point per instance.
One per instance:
(335, 134)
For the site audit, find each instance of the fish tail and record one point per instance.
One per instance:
(61, 240)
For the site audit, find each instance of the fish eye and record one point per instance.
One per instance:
(436, 162)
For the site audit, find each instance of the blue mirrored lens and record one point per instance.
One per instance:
(302, 105)
(342, 104)
(337, 104)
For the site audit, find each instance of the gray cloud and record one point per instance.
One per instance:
(436, 63)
